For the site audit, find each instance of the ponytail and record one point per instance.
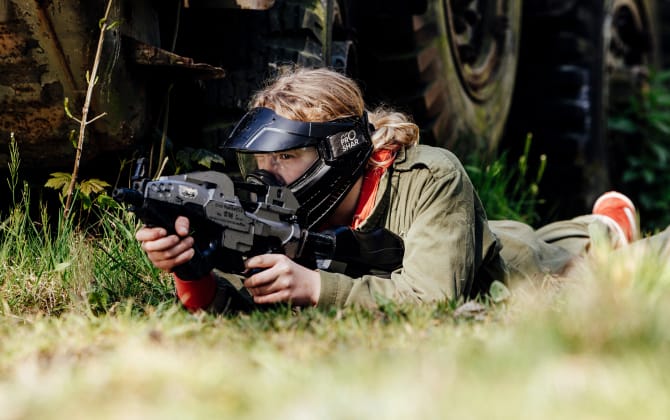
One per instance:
(393, 130)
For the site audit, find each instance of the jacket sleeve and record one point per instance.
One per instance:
(446, 236)
(217, 292)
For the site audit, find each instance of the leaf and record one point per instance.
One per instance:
(202, 157)
(66, 108)
(470, 309)
(663, 99)
(106, 201)
(661, 126)
(183, 158)
(661, 153)
(113, 25)
(99, 300)
(662, 76)
(206, 158)
(72, 138)
(473, 170)
(648, 176)
(62, 266)
(86, 201)
(59, 180)
(499, 292)
(91, 186)
(623, 125)
(629, 176)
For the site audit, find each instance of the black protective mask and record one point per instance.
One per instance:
(344, 146)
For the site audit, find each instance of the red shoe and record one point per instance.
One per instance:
(620, 209)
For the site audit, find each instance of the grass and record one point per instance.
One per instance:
(88, 329)
(508, 191)
(573, 352)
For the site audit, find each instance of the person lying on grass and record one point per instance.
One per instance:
(376, 176)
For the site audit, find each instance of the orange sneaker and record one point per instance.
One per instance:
(620, 209)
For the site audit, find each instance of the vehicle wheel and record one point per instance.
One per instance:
(451, 64)
(577, 63)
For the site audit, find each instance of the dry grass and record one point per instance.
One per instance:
(595, 347)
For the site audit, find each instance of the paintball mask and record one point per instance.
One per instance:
(330, 157)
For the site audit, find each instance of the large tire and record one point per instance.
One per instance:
(576, 63)
(450, 64)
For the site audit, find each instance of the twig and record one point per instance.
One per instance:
(84, 113)
(96, 118)
(163, 147)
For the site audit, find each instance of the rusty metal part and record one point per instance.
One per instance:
(46, 50)
(233, 4)
(35, 77)
(38, 26)
(149, 55)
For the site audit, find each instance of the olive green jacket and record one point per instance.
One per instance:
(427, 198)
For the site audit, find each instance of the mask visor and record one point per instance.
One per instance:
(286, 165)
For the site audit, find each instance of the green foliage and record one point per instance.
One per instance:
(642, 133)
(87, 192)
(190, 158)
(508, 192)
(51, 267)
(115, 24)
(68, 112)
(173, 157)
(13, 166)
(122, 274)
(36, 263)
(84, 121)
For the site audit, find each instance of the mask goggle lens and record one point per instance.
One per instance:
(286, 166)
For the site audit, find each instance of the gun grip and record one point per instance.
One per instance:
(198, 266)
(253, 271)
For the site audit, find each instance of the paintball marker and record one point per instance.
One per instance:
(231, 221)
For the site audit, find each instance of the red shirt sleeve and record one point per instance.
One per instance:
(196, 294)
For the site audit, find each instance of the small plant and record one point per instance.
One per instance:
(190, 158)
(643, 140)
(13, 165)
(86, 191)
(506, 191)
(122, 274)
(51, 267)
(36, 261)
(84, 121)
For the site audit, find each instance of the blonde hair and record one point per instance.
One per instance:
(319, 95)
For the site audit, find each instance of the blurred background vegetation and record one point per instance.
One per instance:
(641, 134)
